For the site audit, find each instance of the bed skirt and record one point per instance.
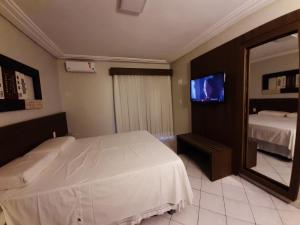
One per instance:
(134, 220)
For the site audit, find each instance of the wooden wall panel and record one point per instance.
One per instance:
(221, 121)
(227, 122)
(18, 139)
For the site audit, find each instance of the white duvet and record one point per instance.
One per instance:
(115, 179)
(275, 130)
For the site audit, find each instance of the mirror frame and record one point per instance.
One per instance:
(278, 28)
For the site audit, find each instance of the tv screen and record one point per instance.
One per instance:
(208, 88)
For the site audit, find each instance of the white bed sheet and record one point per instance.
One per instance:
(275, 130)
(102, 180)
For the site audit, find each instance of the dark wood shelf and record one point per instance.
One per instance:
(216, 155)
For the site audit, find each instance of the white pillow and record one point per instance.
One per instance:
(292, 115)
(23, 170)
(55, 144)
(272, 113)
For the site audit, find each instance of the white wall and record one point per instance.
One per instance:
(88, 98)
(16, 45)
(181, 67)
(277, 64)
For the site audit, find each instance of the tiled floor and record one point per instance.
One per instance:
(230, 201)
(274, 167)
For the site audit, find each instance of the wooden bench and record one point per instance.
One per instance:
(218, 155)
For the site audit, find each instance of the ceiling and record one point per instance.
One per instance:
(164, 31)
(279, 47)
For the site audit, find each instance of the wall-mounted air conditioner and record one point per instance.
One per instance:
(80, 67)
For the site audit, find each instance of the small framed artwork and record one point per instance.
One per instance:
(281, 82)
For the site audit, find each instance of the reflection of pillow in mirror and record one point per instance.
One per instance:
(272, 113)
(292, 115)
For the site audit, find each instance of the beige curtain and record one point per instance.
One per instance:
(143, 103)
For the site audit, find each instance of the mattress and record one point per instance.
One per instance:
(114, 179)
(274, 131)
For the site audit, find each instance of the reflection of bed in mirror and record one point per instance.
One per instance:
(273, 134)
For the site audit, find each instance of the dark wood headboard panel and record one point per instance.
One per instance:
(277, 104)
(18, 139)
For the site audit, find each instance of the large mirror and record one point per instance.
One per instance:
(273, 82)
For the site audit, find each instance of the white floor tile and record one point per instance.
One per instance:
(184, 159)
(283, 170)
(286, 176)
(205, 177)
(244, 203)
(238, 210)
(266, 216)
(234, 192)
(212, 202)
(251, 187)
(260, 199)
(194, 172)
(212, 187)
(156, 220)
(193, 164)
(276, 162)
(196, 199)
(263, 168)
(281, 205)
(232, 221)
(286, 179)
(290, 217)
(232, 180)
(195, 182)
(210, 218)
(174, 223)
(167, 215)
(187, 216)
(269, 172)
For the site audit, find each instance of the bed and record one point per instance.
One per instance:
(113, 179)
(273, 134)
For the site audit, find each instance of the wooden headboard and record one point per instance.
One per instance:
(18, 139)
(277, 104)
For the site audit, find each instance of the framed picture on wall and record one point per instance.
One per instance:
(19, 86)
(281, 82)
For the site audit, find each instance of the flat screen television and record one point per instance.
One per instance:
(209, 88)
